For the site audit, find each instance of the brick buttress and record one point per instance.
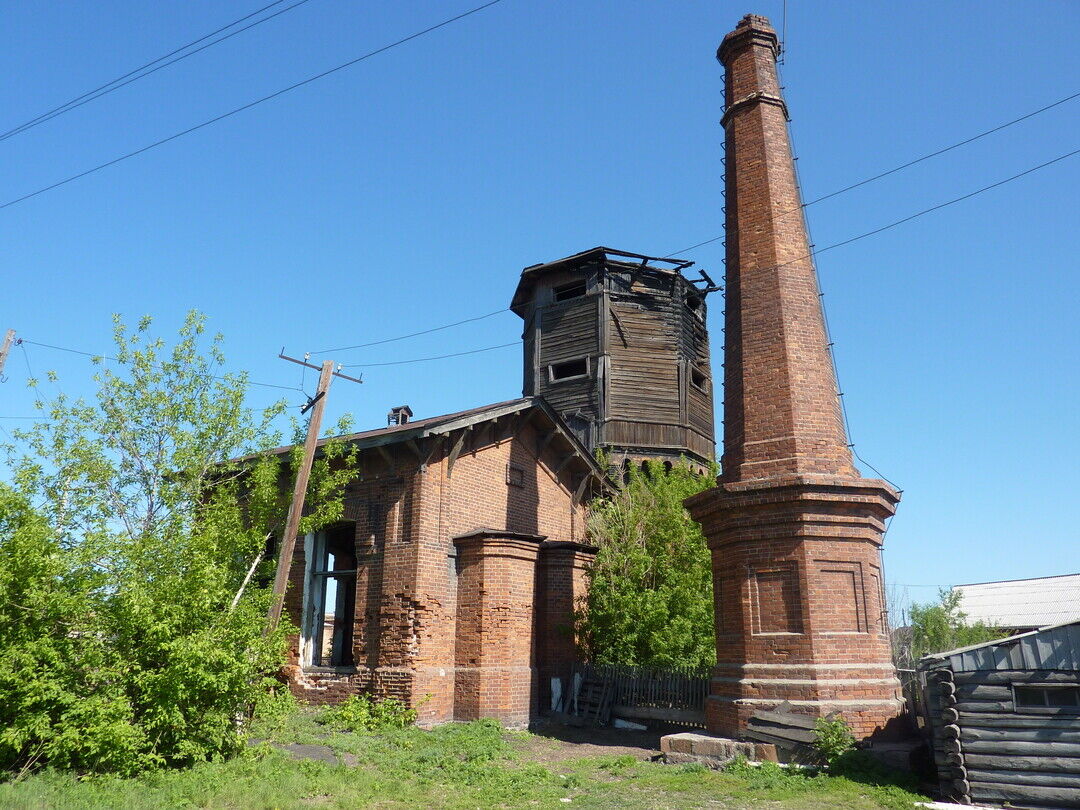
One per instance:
(795, 531)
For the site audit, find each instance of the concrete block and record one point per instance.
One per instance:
(678, 743)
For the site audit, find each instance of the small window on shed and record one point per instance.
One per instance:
(569, 370)
(1047, 697)
(699, 379)
(564, 292)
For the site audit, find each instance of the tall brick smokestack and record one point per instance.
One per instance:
(782, 412)
(795, 531)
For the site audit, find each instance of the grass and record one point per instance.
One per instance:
(455, 766)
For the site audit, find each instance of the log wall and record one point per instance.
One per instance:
(986, 751)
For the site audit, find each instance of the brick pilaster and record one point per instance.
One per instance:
(495, 673)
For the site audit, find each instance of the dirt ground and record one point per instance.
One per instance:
(554, 742)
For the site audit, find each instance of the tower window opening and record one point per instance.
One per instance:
(564, 292)
(569, 370)
(699, 379)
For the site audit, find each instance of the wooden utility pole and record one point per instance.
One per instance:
(9, 338)
(296, 507)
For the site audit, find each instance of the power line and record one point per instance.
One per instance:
(939, 206)
(249, 105)
(902, 166)
(117, 360)
(799, 258)
(916, 215)
(436, 357)
(142, 72)
(413, 334)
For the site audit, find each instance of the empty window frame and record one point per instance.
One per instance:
(699, 379)
(330, 602)
(564, 292)
(1047, 698)
(569, 370)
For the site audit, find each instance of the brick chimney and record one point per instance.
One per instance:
(795, 531)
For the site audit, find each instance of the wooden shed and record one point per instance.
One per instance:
(617, 343)
(1005, 718)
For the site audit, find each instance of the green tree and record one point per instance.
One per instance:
(937, 627)
(650, 599)
(127, 637)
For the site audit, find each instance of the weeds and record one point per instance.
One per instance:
(363, 713)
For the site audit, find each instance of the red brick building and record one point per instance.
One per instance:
(795, 531)
(452, 581)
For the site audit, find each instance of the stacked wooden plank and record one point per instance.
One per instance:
(791, 733)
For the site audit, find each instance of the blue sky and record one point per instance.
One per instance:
(409, 191)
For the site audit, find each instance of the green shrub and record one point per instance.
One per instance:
(650, 600)
(834, 738)
(129, 636)
(364, 713)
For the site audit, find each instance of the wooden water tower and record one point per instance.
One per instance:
(616, 342)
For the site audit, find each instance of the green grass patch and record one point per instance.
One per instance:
(464, 765)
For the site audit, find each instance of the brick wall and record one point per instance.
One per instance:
(426, 609)
(561, 588)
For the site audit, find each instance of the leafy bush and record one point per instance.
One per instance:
(363, 713)
(129, 637)
(834, 738)
(650, 586)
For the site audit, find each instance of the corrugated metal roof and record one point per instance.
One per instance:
(1021, 603)
(1054, 647)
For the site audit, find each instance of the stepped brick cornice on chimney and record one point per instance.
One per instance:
(795, 531)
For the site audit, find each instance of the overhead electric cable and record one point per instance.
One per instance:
(116, 360)
(250, 104)
(413, 334)
(436, 357)
(902, 166)
(142, 70)
(800, 258)
(937, 207)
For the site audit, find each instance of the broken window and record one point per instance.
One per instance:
(564, 292)
(569, 370)
(330, 597)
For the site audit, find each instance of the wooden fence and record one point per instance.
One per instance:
(672, 695)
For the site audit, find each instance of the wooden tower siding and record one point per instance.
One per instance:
(640, 327)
